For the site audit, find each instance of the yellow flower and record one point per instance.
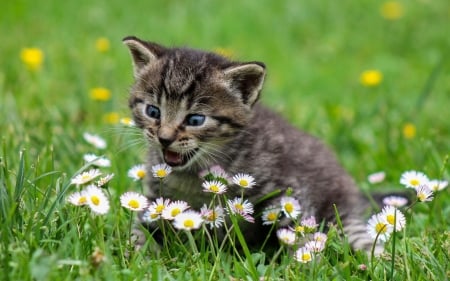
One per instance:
(391, 10)
(32, 58)
(371, 78)
(111, 117)
(225, 52)
(409, 131)
(100, 94)
(102, 44)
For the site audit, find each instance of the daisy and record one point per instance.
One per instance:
(161, 171)
(320, 237)
(315, 246)
(137, 172)
(99, 161)
(413, 179)
(303, 255)
(244, 180)
(104, 180)
(127, 121)
(156, 208)
(378, 226)
(270, 215)
(77, 199)
(96, 199)
(150, 215)
(213, 217)
(133, 201)
(95, 140)
(394, 217)
(299, 230)
(309, 224)
(424, 193)
(215, 172)
(396, 201)
(242, 208)
(290, 207)
(437, 185)
(214, 187)
(188, 220)
(174, 209)
(85, 177)
(376, 177)
(286, 236)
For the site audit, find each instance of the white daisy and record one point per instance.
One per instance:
(133, 201)
(437, 185)
(99, 161)
(315, 246)
(96, 199)
(95, 140)
(378, 226)
(188, 220)
(104, 180)
(413, 179)
(376, 177)
(137, 172)
(396, 201)
(85, 177)
(286, 236)
(290, 207)
(174, 209)
(214, 186)
(213, 217)
(424, 193)
(320, 237)
(244, 180)
(159, 205)
(161, 170)
(150, 215)
(303, 255)
(270, 215)
(127, 121)
(241, 207)
(77, 199)
(309, 224)
(215, 172)
(394, 217)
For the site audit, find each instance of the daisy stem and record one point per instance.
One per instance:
(129, 232)
(393, 245)
(192, 242)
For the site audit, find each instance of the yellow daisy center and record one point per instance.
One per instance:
(212, 216)
(140, 174)
(243, 182)
(188, 223)
(153, 216)
(175, 212)
(390, 219)
(159, 209)
(421, 197)
(82, 200)
(161, 173)
(272, 216)
(289, 207)
(133, 203)
(239, 207)
(214, 188)
(299, 229)
(381, 228)
(306, 256)
(85, 177)
(95, 200)
(414, 182)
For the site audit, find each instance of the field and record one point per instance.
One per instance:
(370, 78)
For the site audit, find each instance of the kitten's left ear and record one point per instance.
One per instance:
(247, 79)
(143, 53)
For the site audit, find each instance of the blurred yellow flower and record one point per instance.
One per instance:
(111, 118)
(409, 131)
(371, 78)
(391, 10)
(225, 52)
(32, 58)
(102, 44)
(100, 94)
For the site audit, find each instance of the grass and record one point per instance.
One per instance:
(314, 51)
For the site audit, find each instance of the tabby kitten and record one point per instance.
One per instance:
(198, 109)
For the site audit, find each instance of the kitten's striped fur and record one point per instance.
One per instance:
(176, 89)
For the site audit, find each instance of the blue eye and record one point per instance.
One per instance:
(195, 120)
(153, 112)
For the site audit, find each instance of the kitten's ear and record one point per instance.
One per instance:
(143, 53)
(247, 78)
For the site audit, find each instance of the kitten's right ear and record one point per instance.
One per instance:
(143, 53)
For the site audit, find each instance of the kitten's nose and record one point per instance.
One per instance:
(165, 142)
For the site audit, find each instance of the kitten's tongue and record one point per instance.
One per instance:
(172, 158)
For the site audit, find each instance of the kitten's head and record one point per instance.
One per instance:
(189, 102)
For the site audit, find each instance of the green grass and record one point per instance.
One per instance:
(314, 51)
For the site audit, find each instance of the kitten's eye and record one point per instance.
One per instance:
(153, 112)
(195, 120)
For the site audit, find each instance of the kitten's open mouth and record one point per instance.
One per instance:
(175, 159)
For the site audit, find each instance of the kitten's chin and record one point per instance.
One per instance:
(176, 159)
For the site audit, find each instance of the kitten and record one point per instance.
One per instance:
(198, 109)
